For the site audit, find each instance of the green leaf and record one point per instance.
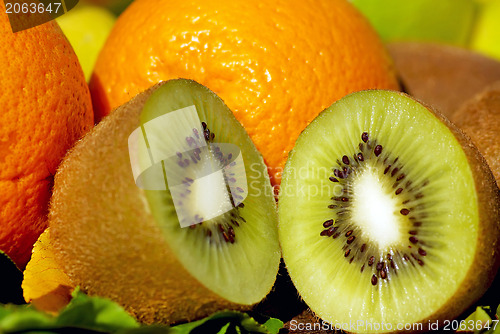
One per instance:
(273, 325)
(95, 313)
(83, 314)
(153, 329)
(479, 315)
(11, 277)
(14, 318)
(228, 322)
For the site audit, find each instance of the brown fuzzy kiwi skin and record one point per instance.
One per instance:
(486, 259)
(133, 266)
(442, 76)
(480, 119)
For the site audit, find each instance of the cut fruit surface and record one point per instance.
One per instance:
(125, 242)
(249, 251)
(388, 215)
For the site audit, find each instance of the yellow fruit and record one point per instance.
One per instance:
(45, 285)
(87, 28)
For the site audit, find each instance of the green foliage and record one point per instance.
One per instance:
(86, 314)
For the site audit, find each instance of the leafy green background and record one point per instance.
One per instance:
(86, 314)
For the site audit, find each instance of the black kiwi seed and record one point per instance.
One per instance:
(380, 265)
(383, 274)
(206, 133)
(331, 231)
(364, 136)
(328, 223)
(404, 212)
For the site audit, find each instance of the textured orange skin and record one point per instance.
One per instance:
(46, 107)
(275, 63)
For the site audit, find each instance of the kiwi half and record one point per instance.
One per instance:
(119, 241)
(389, 216)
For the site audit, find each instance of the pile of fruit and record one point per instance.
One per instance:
(251, 167)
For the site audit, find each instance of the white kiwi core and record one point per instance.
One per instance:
(218, 202)
(376, 208)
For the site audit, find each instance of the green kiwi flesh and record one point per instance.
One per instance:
(388, 215)
(117, 240)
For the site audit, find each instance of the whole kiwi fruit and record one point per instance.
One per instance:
(479, 118)
(440, 75)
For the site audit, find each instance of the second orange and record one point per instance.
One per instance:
(276, 63)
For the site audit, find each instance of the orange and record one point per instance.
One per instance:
(276, 63)
(46, 107)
